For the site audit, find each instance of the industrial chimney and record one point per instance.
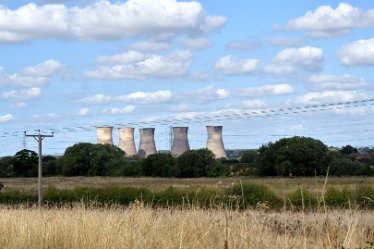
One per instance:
(215, 141)
(126, 141)
(147, 142)
(180, 141)
(104, 135)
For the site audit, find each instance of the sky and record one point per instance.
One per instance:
(264, 70)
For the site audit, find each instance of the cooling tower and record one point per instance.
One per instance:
(147, 142)
(126, 141)
(180, 141)
(104, 135)
(215, 141)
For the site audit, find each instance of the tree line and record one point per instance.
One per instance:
(295, 156)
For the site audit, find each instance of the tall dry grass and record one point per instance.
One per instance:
(142, 227)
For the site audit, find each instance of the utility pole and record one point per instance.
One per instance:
(171, 138)
(39, 138)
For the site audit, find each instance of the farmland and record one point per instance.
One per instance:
(140, 225)
(279, 184)
(137, 226)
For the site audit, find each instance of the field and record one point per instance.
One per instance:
(279, 185)
(143, 227)
(140, 226)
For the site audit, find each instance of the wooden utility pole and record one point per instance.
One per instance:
(39, 138)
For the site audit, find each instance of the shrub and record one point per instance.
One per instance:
(338, 198)
(301, 197)
(17, 197)
(365, 196)
(254, 194)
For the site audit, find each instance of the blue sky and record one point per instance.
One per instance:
(68, 66)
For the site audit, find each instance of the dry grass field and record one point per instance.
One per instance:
(279, 185)
(139, 227)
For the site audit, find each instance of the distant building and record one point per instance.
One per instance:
(362, 156)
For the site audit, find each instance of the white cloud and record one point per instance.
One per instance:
(254, 103)
(179, 108)
(138, 97)
(207, 94)
(23, 95)
(45, 117)
(196, 43)
(96, 99)
(147, 97)
(212, 23)
(148, 46)
(280, 68)
(265, 90)
(234, 65)
(200, 76)
(327, 22)
(345, 82)
(19, 105)
(361, 110)
(291, 60)
(33, 76)
(298, 127)
(286, 41)
(115, 111)
(6, 118)
(172, 65)
(124, 58)
(84, 111)
(46, 68)
(358, 53)
(104, 20)
(250, 44)
(330, 97)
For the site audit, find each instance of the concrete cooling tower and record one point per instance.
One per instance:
(147, 142)
(104, 135)
(126, 141)
(180, 141)
(215, 141)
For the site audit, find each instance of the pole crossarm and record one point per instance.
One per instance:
(39, 138)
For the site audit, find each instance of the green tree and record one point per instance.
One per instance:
(249, 157)
(195, 163)
(6, 166)
(25, 163)
(347, 150)
(51, 166)
(159, 165)
(88, 159)
(132, 167)
(345, 167)
(299, 156)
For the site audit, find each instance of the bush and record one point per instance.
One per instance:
(109, 195)
(17, 197)
(254, 194)
(301, 197)
(338, 198)
(365, 196)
